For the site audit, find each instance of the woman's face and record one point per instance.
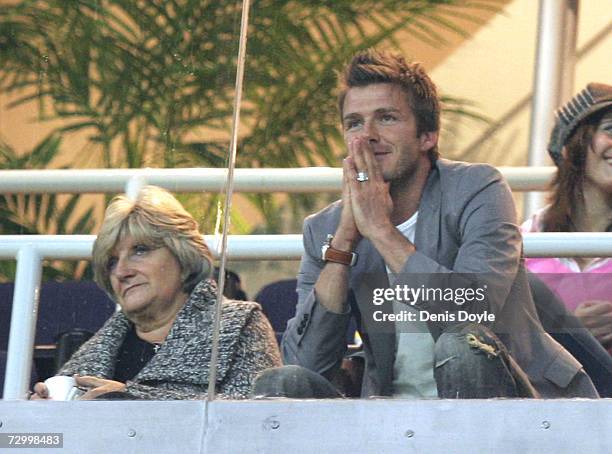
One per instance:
(146, 281)
(599, 157)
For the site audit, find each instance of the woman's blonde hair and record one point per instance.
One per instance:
(155, 219)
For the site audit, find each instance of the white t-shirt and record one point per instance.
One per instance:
(414, 358)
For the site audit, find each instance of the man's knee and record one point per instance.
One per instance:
(471, 362)
(293, 382)
(469, 341)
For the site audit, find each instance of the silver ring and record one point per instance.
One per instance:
(362, 176)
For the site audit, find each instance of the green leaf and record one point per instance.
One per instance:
(154, 79)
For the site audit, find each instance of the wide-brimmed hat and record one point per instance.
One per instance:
(593, 98)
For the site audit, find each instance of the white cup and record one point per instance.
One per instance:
(62, 387)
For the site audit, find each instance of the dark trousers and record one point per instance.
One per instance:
(470, 362)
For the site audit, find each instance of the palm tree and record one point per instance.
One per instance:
(152, 83)
(36, 213)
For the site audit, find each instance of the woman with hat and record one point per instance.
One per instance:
(151, 259)
(581, 201)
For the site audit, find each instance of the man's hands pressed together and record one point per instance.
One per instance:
(367, 210)
(370, 200)
(371, 205)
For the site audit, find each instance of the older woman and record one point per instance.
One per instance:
(151, 259)
(581, 201)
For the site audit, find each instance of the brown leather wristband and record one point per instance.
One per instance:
(330, 254)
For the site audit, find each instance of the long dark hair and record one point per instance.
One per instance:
(567, 186)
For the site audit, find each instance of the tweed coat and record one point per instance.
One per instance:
(179, 370)
(466, 226)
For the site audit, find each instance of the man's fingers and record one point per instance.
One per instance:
(349, 172)
(358, 151)
(372, 165)
(350, 175)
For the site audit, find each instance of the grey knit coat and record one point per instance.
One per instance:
(180, 369)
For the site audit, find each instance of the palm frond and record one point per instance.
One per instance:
(32, 214)
(141, 76)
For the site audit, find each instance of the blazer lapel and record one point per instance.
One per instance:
(372, 266)
(427, 235)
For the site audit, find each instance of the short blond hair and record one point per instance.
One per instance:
(155, 219)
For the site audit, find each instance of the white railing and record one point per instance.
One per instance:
(289, 247)
(311, 179)
(31, 250)
(79, 247)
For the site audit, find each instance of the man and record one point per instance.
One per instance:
(414, 221)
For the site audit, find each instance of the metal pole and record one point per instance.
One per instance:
(229, 190)
(570, 57)
(23, 323)
(547, 87)
(96, 181)
(290, 246)
(304, 180)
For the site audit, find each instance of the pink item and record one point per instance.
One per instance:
(563, 276)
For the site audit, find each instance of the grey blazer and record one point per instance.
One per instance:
(466, 224)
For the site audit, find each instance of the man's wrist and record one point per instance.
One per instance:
(330, 252)
(345, 241)
(394, 248)
(381, 231)
(343, 244)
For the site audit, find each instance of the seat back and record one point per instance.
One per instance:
(278, 301)
(63, 307)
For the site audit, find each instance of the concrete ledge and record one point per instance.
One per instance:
(385, 426)
(339, 426)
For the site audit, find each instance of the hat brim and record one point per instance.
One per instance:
(561, 133)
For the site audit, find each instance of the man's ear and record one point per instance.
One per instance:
(428, 140)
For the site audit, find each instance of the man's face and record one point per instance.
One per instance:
(381, 114)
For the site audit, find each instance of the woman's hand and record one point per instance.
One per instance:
(97, 386)
(40, 392)
(597, 317)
